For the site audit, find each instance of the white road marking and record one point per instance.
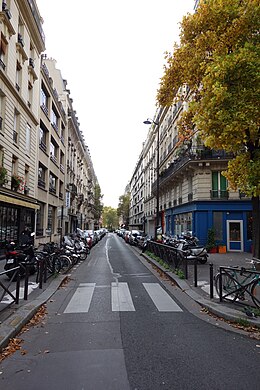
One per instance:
(121, 297)
(81, 299)
(160, 298)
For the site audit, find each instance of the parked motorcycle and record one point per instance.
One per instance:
(189, 244)
(22, 255)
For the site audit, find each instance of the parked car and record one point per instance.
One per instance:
(133, 237)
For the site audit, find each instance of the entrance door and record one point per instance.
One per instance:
(235, 236)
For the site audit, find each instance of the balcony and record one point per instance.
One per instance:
(54, 159)
(219, 194)
(1, 123)
(45, 109)
(5, 17)
(190, 156)
(43, 146)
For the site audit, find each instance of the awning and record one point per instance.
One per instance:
(19, 202)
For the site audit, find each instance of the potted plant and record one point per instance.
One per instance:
(17, 182)
(222, 248)
(211, 242)
(3, 176)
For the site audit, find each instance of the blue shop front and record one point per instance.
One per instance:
(231, 220)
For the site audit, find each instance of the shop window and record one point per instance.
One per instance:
(39, 220)
(218, 225)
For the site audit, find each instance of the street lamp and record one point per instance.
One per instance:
(157, 221)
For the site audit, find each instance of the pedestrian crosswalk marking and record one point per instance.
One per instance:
(160, 298)
(121, 300)
(121, 297)
(81, 299)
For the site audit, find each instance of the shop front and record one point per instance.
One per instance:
(16, 212)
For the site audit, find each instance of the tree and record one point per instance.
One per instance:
(110, 218)
(123, 208)
(219, 58)
(98, 206)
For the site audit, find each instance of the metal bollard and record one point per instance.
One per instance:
(211, 278)
(195, 273)
(17, 287)
(220, 284)
(26, 281)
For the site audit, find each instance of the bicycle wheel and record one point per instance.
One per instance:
(66, 263)
(54, 265)
(255, 293)
(229, 285)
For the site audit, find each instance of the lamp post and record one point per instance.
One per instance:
(157, 221)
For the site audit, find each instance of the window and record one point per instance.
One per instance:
(3, 51)
(28, 139)
(41, 176)
(44, 100)
(43, 135)
(26, 176)
(16, 126)
(2, 104)
(219, 186)
(39, 220)
(30, 94)
(51, 216)
(52, 184)
(54, 120)
(53, 151)
(18, 76)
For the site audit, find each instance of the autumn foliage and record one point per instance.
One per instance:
(219, 58)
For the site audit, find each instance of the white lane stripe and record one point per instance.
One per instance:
(121, 297)
(81, 299)
(160, 298)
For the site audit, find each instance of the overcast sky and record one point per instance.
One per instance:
(112, 54)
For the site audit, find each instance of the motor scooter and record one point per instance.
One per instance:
(22, 255)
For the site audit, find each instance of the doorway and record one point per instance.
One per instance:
(235, 236)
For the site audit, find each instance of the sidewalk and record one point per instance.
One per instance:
(13, 319)
(201, 294)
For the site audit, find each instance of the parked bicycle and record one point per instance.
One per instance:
(233, 283)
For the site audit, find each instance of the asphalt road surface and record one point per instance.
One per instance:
(116, 326)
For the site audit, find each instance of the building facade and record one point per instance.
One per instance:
(22, 41)
(136, 209)
(47, 179)
(193, 194)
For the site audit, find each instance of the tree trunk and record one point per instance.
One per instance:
(256, 226)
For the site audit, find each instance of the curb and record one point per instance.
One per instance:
(12, 326)
(212, 306)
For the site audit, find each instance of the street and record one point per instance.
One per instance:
(114, 325)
